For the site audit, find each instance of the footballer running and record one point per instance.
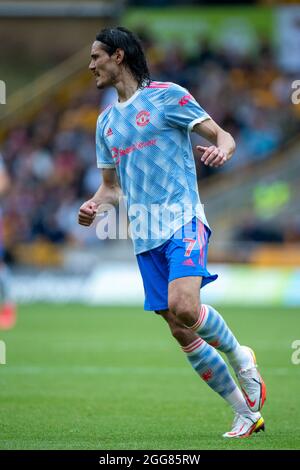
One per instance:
(153, 120)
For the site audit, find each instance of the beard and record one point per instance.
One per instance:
(109, 80)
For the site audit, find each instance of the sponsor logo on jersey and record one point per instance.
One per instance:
(143, 118)
(117, 153)
(184, 100)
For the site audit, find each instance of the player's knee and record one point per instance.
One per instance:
(184, 309)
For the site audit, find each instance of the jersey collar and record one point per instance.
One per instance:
(129, 101)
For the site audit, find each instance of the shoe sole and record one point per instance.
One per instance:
(263, 388)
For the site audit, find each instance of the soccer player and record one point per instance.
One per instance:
(8, 309)
(144, 150)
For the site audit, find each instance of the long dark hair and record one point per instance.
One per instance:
(134, 57)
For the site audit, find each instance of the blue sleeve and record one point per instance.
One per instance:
(104, 157)
(181, 109)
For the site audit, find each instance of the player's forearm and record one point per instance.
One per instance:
(211, 131)
(226, 142)
(107, 195)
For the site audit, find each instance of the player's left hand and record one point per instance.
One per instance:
(213, 156)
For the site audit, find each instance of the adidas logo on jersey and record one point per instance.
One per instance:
(109, 132)
(188, 262)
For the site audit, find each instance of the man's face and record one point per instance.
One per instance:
(103, 66)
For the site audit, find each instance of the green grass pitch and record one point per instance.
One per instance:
(81, 377)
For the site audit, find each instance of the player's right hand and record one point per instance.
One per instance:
(87, 213)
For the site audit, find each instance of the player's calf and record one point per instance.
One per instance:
(183, 335)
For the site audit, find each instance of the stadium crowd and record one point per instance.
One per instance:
(51, 158)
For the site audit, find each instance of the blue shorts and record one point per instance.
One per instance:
(184, 254)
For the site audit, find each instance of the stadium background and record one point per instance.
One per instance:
(86, 368)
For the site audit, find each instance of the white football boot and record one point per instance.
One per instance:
(252, 384)
(244, 426)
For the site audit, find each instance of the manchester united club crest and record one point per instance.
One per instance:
(143, 118)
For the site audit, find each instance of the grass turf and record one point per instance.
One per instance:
(82, 377)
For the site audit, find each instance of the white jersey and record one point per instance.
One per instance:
(146, 139)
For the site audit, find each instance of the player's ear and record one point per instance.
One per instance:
(119, 54)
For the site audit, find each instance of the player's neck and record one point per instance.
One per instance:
(126, 88)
